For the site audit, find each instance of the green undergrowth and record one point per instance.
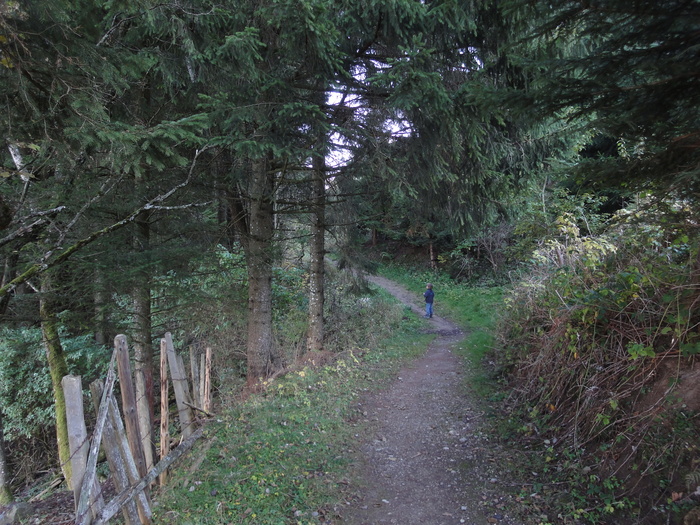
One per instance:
(284, 456)
(599, 346)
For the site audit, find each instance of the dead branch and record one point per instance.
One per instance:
(45, 264)
(198, 409)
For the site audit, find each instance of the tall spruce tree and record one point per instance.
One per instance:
(73, 138)
(624, 70)
(450, 152)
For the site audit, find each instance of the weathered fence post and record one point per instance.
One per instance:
(77, 432)
(78, 441)
(202, 373)
(144, 505)
(144, 417)
(82, 514)
(180, 387)
(118, 465)
(129, 403)
(164, 408)
(206, 389)
(194, 374)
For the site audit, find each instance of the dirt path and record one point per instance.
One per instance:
(427, 462)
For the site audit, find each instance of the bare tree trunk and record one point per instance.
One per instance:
(263, 357)
(9, 273)
(57, 369)
(5, 490)
(314, 341)
(433, 256)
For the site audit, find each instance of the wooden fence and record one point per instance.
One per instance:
(121, 438)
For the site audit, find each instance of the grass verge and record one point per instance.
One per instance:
(472, 308)
(284, 456)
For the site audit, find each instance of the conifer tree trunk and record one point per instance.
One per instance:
(318, 251)
(9, 273)
(262, 355)
(99, 301)
(57, 369)
(433, 257)
(143, 349)
(5, 491)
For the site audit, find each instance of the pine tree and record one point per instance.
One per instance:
(76, 133)
(624, 70)
(461, 158)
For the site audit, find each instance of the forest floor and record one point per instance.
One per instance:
(428, 459)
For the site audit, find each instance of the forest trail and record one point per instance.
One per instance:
(426, 460)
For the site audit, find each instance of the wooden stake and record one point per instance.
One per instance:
(129, 403)
(202, 381)
(142, 500)
(194, 375)
(207, 382)
(164, 409)
(117, 464)
(78, 441)
(82, 514)
(143, 416)
(180, 387)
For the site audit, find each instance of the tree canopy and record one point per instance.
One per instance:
(624, 70)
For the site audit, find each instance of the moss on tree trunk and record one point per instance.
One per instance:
(5, 491)
(57, 369)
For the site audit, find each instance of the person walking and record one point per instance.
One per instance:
(429, 296)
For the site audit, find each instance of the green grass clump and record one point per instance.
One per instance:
(468, 306)
(282, 456)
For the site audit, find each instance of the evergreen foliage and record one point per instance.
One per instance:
(160, 148)
(460, 156)
(626, 70)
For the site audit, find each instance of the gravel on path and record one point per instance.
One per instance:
(427, 460)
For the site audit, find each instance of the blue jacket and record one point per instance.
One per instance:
(429, 294)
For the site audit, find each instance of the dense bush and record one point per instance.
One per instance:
(25, 385)
(597, 342)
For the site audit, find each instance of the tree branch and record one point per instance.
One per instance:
(27, 230)
(45, 264)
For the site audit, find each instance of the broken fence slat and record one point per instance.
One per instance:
(82, 513)
(202, 383)
(115, 458)
(164, 409)
(144, 504)
(130, 414)
(180, 388)
(194, 375)
(113, 506)
(207, 382)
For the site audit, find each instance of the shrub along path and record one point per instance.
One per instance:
(427, 461)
